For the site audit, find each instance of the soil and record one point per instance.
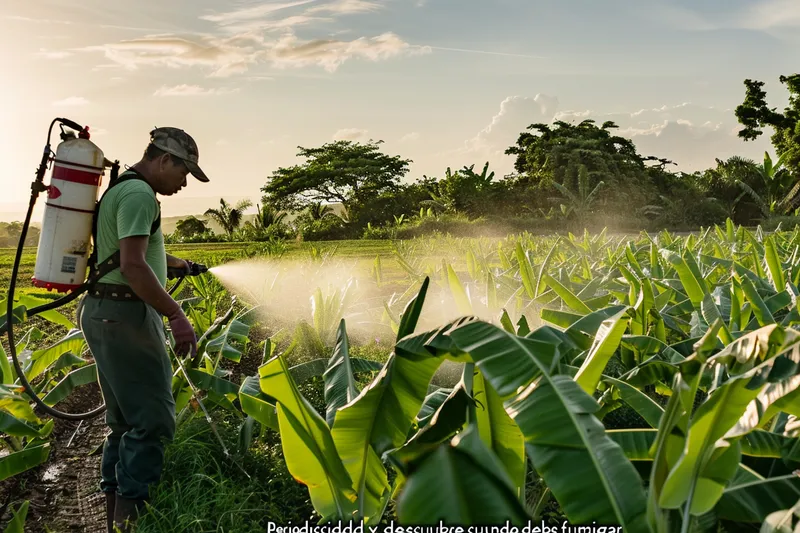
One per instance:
(64, 492)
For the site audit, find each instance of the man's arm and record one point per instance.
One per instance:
(175, 262)
(141, 277)
(145, 284)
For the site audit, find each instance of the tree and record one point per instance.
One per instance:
(268, 222)
(10, 232)
(343, 171)
(581, 156)
(189, 227)
(754, 114)
(463, 191)
(267, 217)
(726, 182)
(561, 150)
(772, 183)
(581, 201)
(230, 218)
(318, 210)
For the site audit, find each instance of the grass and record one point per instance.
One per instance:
(201, 490)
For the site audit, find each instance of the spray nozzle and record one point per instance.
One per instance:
(195, 269)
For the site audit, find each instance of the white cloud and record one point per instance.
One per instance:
(290, 52)
(236, 54)
(287, 23)
(270, 16)
(19, 18)
(53, 54)
(130, 28)
(410, 137)
(250, 13)
(224, 57)
(190, 90)
(345, 7)
(763, 15)
(72, 101)
(486, 52)
(260, 34)
(695, 147)
(690, 135)
(515, 115)
(349, 134)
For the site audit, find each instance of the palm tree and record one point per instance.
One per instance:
(266, 217)
(230, 218)
(318, 210)
(269, 216)
(775, 181)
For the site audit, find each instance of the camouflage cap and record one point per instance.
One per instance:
(177, 142)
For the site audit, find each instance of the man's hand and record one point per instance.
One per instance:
(177, 263)
(182, 330)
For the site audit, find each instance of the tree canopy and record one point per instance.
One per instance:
(341, 171)
(563, 164)
(560, 150)
(754, 114)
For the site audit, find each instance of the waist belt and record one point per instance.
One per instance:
(114, 292)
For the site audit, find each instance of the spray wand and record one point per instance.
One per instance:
(195, 391)
(196, 396)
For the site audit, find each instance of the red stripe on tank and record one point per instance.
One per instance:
(58, 287)
(76, 176)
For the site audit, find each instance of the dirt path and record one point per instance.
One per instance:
(64, 491)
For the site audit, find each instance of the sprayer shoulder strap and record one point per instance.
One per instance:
(112, 262)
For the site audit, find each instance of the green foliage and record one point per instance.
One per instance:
(329, 227)
(202, 490)
(707, 321)
(10, 232)
(463, 191)
(754, 114)
(342, 171)
(227, 216)
(190, 227)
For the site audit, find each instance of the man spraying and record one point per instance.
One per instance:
(122, 322)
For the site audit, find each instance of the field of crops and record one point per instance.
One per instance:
(647, 382)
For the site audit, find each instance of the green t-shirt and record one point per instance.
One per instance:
(127, 210)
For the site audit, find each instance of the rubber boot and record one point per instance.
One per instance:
(111, 500)
(126, 513)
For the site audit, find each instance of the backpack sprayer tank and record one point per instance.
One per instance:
(63, 253)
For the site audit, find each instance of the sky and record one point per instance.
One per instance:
(445, 83)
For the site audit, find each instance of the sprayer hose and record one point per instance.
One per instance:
(10, 308)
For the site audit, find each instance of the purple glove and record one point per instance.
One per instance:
(182, 330)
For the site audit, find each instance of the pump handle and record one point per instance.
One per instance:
(71, 124)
